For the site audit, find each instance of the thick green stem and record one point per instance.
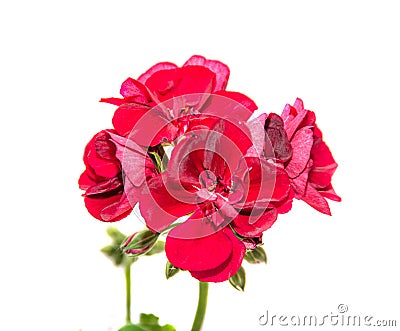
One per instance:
(128, 292)
(201, 307)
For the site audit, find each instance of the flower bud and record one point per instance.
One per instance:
(139, 243)
(238, 281)
(256, 256)
(170, 270)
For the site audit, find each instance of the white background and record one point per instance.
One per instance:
(59, 58)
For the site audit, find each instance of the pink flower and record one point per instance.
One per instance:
(311, 165)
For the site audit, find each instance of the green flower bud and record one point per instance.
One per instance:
(139, 243)
(238, 281)
(256, 256)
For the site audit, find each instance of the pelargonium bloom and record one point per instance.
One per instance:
(157, 106)
(107, 188)
(311, 166)
(215, 177)
(102, 180)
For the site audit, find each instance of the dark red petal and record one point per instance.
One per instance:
(299, 184)
(321, 155)
(229, 105)
(85, 181)
(301, 145)
(167, 84)
(148, 127)
(324, 165)
(110, 186)
(159, 207)
(96, 205)
(264, 183)
(187, 159)
(100, 156)
(277, 144)
(287, 205)
(113, 101)
(117, 210)
(197, 254)
(220, 70)
(227, 269)
(157, 67)
(316, 200)
(330, 194)
(254, 225)
(126, 117)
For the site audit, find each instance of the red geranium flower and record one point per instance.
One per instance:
(156, 107)
(107, 189)
(311, 166)
(216, 177)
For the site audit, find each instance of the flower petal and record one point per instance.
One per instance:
(329, 193)
(229, 267)
(277, 144)
(160, 206)
(316, 200)
(301, 145)
(253, 225)
(220, 69)
(167, 84)
(157, 67)
(100, 157)
(197, 254)
(293, 117)
(135, 91)
(265, 185)
(230, 105)
(148, 127)
(97, 205)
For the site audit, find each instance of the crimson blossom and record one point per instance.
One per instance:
(158, 106)
(312, 165)
(202, 169)
(229, 193)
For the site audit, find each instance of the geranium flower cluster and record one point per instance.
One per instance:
(202, 167)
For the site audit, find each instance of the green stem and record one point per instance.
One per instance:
(128, 292)
(201, 307)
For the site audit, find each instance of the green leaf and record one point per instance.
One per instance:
(117, 236)
(238, 281)
(114, 253)
(170, 270)
(132, 327)
(149, 322)
(159, 247)
(256, 256)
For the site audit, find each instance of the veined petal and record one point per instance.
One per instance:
(316, 200)
(158, 67)
(160, 206)
(301, 144)
(96, 205)
(135, 91)
(220, 70)
(254, 224)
